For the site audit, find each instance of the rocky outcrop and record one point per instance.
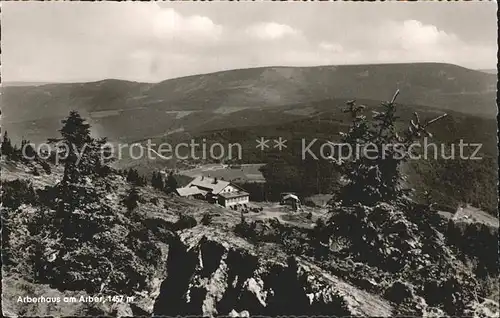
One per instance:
(212, 272)
(385, 260)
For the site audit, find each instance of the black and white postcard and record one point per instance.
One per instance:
(249, 159)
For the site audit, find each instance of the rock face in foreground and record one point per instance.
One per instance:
(213, 273)
(386, 260)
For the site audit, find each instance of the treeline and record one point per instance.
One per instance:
(477, 242)
(25, 153)
(289, 172)
(456, 181)
(157, 180)
(168, 184)
(447, 182)
(132, 176)
(11, 151)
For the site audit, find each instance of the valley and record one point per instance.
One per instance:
(249, 159)
(295, 245)
(241, 106)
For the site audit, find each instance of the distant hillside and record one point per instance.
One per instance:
(15, 83)
(146, 109)
(490, 71)
(450, 181)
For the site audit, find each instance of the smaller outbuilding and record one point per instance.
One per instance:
(191, 192)
(291, 200)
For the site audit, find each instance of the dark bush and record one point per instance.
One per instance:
(246, 230)
(206, 219)
(398, 292)
(477, 241)
(46, 167)
(185, 222)
(17, 192)
(47, 196)
(132, 199)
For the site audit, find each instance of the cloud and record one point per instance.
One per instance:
(271, 31)
(413, 35)
(47, 41)
(168, 23)
(414, 41)
(138, 41)
(332, 47)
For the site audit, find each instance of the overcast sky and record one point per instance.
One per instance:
(70, 41)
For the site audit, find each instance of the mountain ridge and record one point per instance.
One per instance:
(205, 97)
(39, 83)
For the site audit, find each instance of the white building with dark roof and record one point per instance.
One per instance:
(228, 199)
(223, 192)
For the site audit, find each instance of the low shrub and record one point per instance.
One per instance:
(185, 222)
(17, 192)
(246, 230)
(206, 219)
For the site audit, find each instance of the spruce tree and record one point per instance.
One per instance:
(6, 148)
(130, 175)
(376, 177)
(131, 201)
(134, 178)
(153, 179)
(75, 130)
(79, 212)
(29, 151)
(157, 181)
(171, 183)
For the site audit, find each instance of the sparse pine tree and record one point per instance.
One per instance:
(171, 183)
(157, 181)
(28, 150)
(80, 188)
(374, 174)
(132, 199)
(75, 138)
(6, 148)
(153, 179)
(134, 178)
(130, 175)
(75, 130)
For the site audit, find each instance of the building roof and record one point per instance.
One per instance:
(230, 195)
(207, 183)
(291, 196)
(187, 191)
